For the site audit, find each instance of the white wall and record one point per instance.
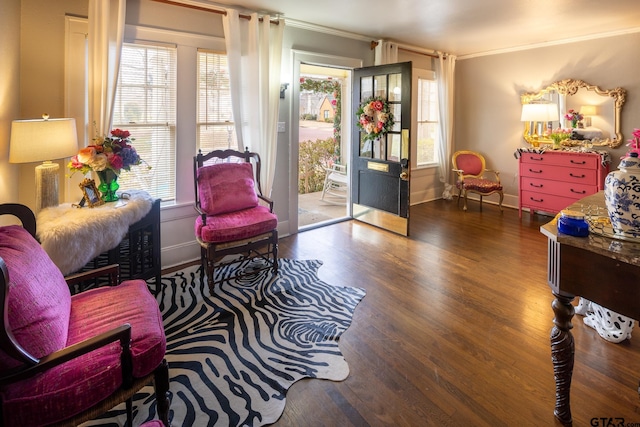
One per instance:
(488, 89)
(43, 20)
(487, 94)
(9, 97)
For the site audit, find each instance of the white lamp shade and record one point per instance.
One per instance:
(540, 113)
(42, 139)
(588, 110)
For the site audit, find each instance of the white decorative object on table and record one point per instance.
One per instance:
(622, 196)
(610, 325)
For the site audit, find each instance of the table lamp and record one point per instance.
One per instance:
(534, 115)
(43, 140)
(587, 111)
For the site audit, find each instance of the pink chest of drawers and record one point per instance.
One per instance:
(551, 181)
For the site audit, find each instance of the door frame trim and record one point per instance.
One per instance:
(299, 57)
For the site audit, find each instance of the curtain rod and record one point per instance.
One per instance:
(206, 9)
(375, 43)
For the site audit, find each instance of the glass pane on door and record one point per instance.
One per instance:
(366, 87)
(395, 145)
(395, 87)
(381, 86)
(379, 149)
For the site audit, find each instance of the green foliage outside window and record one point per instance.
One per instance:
(315, 156)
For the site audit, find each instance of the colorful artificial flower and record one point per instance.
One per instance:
(573, 116)
(374, 118)
(634, 143)
(113, 152)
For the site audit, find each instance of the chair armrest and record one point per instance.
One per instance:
(121, 333)
(460, 173)
(495, 172)
(113, 271)
(268, 201)
(201, 213)
(23, 213)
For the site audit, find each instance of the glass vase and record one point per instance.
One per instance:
(108, 185)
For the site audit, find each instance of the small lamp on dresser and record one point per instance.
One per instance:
(43, 140)
(587, 111)
(534, 116)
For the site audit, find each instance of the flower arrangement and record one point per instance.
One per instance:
(634, 144)
(574, 117)
(374, 118)
(113, 152)
(558, 135)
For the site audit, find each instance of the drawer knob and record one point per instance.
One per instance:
(576, 176)
(536, 171)
(536, 185)
(536, 200)
(578, 163)
(578, 192)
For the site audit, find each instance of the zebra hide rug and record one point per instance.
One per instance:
(233, 356)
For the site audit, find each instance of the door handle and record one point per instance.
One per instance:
(404, 174)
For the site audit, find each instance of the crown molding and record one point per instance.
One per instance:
(326, 30)
(551, 43)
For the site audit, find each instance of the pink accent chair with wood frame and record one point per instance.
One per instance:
(68, 359)
(470, 168)
(234, 218)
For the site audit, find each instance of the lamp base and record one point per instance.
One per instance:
(47, 183)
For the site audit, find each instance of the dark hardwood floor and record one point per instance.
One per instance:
(454, 329)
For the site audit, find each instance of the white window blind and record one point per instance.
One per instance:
(145, 105)
(215, 128)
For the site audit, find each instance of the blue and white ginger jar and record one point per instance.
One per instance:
(622, 197)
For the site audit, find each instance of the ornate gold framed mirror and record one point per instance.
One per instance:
(595, 113)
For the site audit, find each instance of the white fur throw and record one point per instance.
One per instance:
(72, 237)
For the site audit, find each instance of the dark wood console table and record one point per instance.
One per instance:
(598, 268)
(126, 232)
(138, 254)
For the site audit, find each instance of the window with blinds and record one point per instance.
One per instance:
(145, 105)
(428, 122)
(215, 128)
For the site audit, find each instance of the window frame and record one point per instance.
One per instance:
(145, 127)
(422, 74)
(229, 125)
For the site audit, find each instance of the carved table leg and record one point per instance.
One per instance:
(562, 355)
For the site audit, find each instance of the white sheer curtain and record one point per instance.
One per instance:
(385, 53)
(445, 67)
(106, 31)
(254, 53)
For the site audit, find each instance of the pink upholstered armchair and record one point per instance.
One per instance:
(473, 177)
(234, 218)
(67, 359)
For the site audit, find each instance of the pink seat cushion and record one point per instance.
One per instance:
(39, 298)
(68, 389)
(236, 225)
(480, 185)
(226, 187)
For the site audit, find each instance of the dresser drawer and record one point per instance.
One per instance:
(545, 202)
(559, 173)
(577, 160)
(557, 188)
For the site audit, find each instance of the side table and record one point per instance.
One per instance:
(126, 232)
(138, 254)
